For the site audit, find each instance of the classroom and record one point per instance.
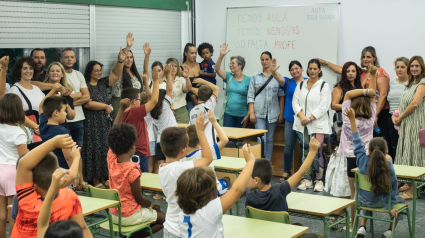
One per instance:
(193, 118)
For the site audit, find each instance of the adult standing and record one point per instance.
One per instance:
(181, 86)
(235, 113)
(39, 57)
(98, 120)
(296, 71)
(412, 119)
(189, 60)
(397, 87)
(311, 102)
(369, 57)
(263, 102)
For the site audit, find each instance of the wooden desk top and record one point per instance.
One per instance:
(91, 205)
(404, 171)
(150, 181)
(316, 204)
(236, 226)
(236, 133)
(229, 163)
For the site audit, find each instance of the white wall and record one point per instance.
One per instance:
(394, 28)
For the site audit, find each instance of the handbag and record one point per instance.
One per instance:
(338, 118)
(422, 136)
(31, 114)
(221, 120)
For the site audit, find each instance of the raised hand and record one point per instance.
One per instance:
(167, 69)
(122, 54)
(211, 116)
(124, 103)
(247, 152)
(130, 40)
(145, 77)
(76, 152)
(59, 178)
(314, 144)
(322, 62)
(371, 69)
(185, 72)
(4, 62)
(274, 66)
(63, 142)
(349, 112)
(200, 123)
(223, 49)
(147, 49)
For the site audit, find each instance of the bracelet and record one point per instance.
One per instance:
(364, 92)
(326, 63)
(120, 61)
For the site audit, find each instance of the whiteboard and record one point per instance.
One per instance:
(287, 32)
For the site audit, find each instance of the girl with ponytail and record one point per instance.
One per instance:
(380, 172)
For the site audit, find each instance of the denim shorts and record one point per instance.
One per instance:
(377, 204)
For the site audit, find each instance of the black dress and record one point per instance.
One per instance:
(96, 127)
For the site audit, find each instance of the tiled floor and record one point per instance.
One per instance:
(316, 226)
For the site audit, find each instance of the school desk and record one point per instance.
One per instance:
(235, 226)
(410, 174)
(91, 205)
(239, 134)
(319, 207)
(150, 181)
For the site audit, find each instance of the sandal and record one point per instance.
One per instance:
(284, 178)
(405, 187)
(81, 187)
(406, 195)
(158, 196)
(100, 186)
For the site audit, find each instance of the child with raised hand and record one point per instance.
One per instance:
(194, 150)
(33, 179)
(202, 210)
(58, 229)
(266, 197)
(13, 143)
(124, 175)
(174, 142)
(380, 172)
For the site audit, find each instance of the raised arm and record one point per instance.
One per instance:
(56, 88)
(217, 68)
(118, 67)
(276, 75)
(213, 87)
(365, 92)
(206, 152)
(147, 51)
(169, 84)
(336, 68)
(124, 104)
(238, 187)
(221, 135)
(155, 92)
(185, 75)
(148, 91)
(314, 147)
(4, 61)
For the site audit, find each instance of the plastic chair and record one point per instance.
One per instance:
(123, 231)
(363, 183)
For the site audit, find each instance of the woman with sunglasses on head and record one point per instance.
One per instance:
(235, 113)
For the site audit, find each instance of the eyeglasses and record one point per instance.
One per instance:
(137, 99)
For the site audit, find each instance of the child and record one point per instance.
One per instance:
(131, 111)
(58, 229)
(205, 50)
(202, 210)
(380, 172)
(266, 197)
(13, 143)
(124, 175)
(33, 179)
(174, 141)
(194, 152)
(207, 94)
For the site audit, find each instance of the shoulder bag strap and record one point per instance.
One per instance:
(25, 97)
(264, 85)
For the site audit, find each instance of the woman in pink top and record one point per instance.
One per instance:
(364, 105)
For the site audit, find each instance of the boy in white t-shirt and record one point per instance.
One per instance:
(202, 210)
(207, 100)
(194, 150)
(174, 141)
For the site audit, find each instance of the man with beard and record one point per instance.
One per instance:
(39, 57)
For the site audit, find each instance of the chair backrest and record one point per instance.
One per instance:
(109, 194)
(282, 217)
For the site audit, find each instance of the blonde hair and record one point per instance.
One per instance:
(176, 62)
(64, 80)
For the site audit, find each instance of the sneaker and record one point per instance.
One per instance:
(309, 184)
(318, 187)
(302, 186)
(386, 234)
(361, 233)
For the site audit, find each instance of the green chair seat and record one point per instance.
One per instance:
(125, 229)
(397, 206)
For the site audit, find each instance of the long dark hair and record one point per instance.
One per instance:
(89, 69)
(378, 171)
(157, 110)
(186, 50)
(344, 83)
(126, 78)
(64, 229)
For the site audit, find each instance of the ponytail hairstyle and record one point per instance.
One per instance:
(126, 79)
(379, 172)
(186, 50)
(157, 110)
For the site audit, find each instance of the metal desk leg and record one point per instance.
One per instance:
(262, 146)
(347, 223)
(415, 194)
(326, 227)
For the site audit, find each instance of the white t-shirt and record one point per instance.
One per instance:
(179, 93)
(35, 96)
(7, 87)
(77, 81)
(166, 119)
(204, 107)
(151, 127)
(10, 137)
(168, 176)
(205, 222)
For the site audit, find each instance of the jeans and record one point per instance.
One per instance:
(392, 139)
(189, 106)
(268, 137)
(76, 129)
(317, 164)
(290, 139)
(377, 204)
(167, 234)
(143, 162)
(232, 121)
